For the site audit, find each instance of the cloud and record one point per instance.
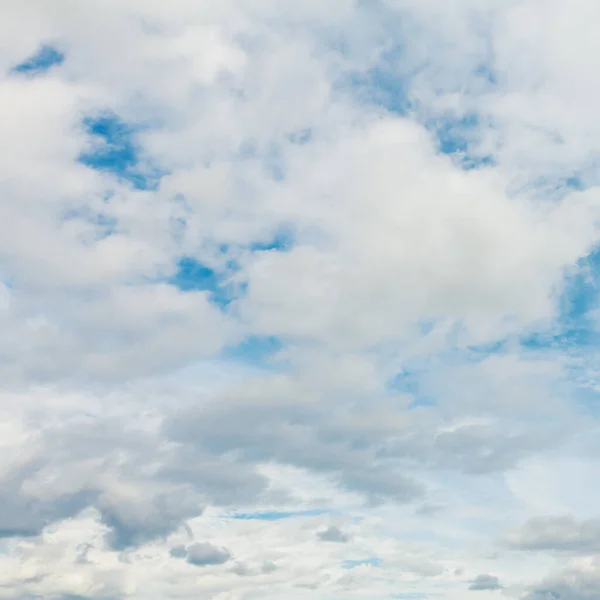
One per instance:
(259, 424)
(266, 263)
(133, 523)
(276, 516)
(557, 534)
(178, 552)
(333, 534)
(571, 584)
(485, 582)
(205, 554)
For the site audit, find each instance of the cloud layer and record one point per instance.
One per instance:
(299, 299)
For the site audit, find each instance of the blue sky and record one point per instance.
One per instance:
(115, 150)
(40, 61)
(299, 300)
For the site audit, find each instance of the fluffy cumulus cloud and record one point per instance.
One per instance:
(299, 299)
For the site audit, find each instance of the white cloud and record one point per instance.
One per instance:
(408, 409)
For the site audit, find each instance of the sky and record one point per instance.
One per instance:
(299, 300)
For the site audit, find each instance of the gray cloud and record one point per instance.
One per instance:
(269, 567)
(22, 516)
(220, 481)
(205, 554)
(557, 534)
(270, 420)
(178, 552)
(333, 534)
(149, 518)
(545, 594)
(241, 569)
(78, 597)
(256, 427)
(571, 584)
(60, 480)
(482, 448)
(428, 510)
(220, 439)
(485, 582)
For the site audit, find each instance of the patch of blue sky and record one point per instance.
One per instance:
(455, 136)
(410, 596)
(369, 562)
(568, 339)
(281, 241)
(458, 137)
(574, 335)
(193, 275)
(384, 85)
(255, 349)
(216, 276)
(411, 382)
(389, 84)
(41, 61)
(115, 150)
(582, 290)
(277, 515)
(577, 326)
(575, 182)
